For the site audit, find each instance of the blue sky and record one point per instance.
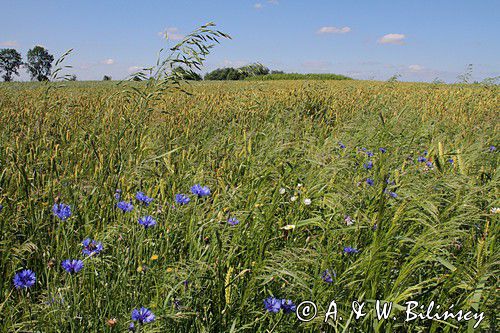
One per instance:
(420, 40)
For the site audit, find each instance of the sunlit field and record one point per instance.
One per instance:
(309, 191)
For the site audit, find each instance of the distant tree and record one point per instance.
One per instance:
(254, 70)
(277, 72)
(71, 77)
(106, 78)
(10, 61)
(230, 73)
(39, 63)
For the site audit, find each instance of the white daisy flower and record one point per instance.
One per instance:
(307, 202)
(282, 190)
(293, 198)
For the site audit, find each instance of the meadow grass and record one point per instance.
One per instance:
(262, 148)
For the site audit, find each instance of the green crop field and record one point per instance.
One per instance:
(319, 191)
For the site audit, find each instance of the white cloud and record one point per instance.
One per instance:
(333, 30)
(415, 68)
(133, 69)
(9, 43)
(258, 6)
(108, 61)
(392, 39)
(171, 33)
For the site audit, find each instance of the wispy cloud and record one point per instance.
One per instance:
(333, 30)
(273, 2)
(133, 69)
(415, 68)
(171, 33)
(108, 61)
(397, 39)
(258, 5)
(9, 43)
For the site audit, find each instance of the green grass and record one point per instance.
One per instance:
(247, 140)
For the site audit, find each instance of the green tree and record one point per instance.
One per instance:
(10, 61)
(39, 63)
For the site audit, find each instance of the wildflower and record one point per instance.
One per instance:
(495, 210)
(143, 315)
(425, 152)
(200, 191)
(282, 190)
(131, 327)
(368, 165)
(1, 208)
(125, 206)
(154, 257)
(24, 279)
(91, 247)
(421, 159)
(341, 145)
(382, 150)
(62, 211)
(393, 194)
(272, 304)
(363, 149)
(348, 220)
(451, 161)
(147, 222)
(233, 221)
(299, 185)
(288, 306)
(350, 250)
(293, 198)
(369, 181)
(289, 227)
(182, 199)
(307, 201)
(429, 164)
(374, 227)
(72, 266)
(327, 277)
(118, 194)
(492, 148)
(143, 198)
(369, 153)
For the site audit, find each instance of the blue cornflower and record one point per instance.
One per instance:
(288, 306)
(370, 181)
(492, 148)
(350, 250)
(369, 153)
(118, 194)
(425, 152)
(341, 145)
(233, 221)
(91, 247)
(429, 164)
(147, 222)
(393, 194)
(382, 150)
(451, 161)
(62, 211)
(363, 149)
(125, 206)
(143, 315)
(131, 327)
(327, 277)
(182, 199)
(1, 208)
(272, 304)
(421, 159)
(200, 191)
(72, 266)
(24, 279)
(368, 165)
(143, 198)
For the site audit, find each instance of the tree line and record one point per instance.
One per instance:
(38, 63)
